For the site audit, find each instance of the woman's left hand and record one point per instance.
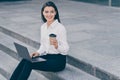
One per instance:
(54, 42)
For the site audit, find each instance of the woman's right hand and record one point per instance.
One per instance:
(34, 54)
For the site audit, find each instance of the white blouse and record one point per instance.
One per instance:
(60, 31)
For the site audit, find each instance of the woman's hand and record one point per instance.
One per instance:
(34, 54)
(54, 42)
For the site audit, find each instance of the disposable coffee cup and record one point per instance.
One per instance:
(52, 37)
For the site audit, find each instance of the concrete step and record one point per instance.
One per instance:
(70, 73)
(9, 65)
(2, 77)
(95, 51)
(73, 73)
(7, 46)
(87, 65)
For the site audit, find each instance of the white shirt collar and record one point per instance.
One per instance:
(53, 24)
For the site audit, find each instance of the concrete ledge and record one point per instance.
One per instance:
(20, 37)
(4, 73)
(103, 75)
(2, 77)
(8, 50)
(13, 54)
(81, 65)
(91, 69)
(70, 72)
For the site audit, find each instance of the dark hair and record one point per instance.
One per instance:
(50, 3)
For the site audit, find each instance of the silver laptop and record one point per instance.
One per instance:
(23, 52)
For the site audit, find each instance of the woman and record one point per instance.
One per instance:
(53, 48)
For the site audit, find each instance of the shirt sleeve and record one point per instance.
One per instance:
(41, 48)
(63, 46)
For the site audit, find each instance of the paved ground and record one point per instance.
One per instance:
(93, 30)
(115, 3)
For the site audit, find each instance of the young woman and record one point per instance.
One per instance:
(53, 48)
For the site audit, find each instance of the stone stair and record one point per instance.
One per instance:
(33, 45)
(8, 65)
(11, 59)
(95, 51)
(2, 77)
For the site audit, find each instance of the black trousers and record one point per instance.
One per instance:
(53, 63)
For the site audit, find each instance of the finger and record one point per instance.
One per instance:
(36, 54)
(33, 54)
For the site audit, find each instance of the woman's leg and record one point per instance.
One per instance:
(18, 70)
(25, 72)
(22, 71)
(55, 62)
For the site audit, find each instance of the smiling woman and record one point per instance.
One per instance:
(53, 48)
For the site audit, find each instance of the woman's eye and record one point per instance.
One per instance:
(46, 11)
(52, 11)
(49, 11)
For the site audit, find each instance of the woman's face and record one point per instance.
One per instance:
(49, 13)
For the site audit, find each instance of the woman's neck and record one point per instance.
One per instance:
(49, 23)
